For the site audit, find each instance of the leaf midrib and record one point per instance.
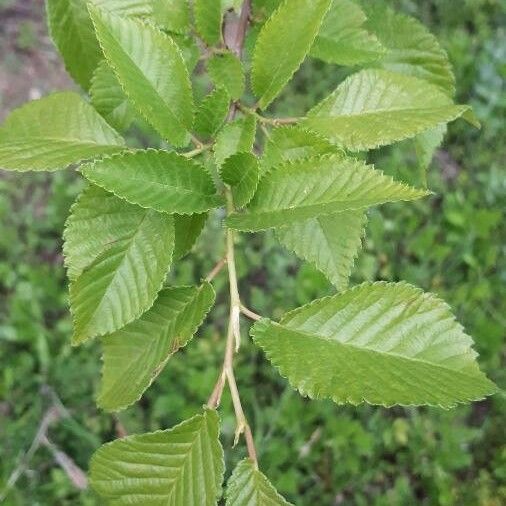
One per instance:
(143, 75)
(353, 203)
(177, 189)
(120, 265)
(383, 111)
(370, 350)
(66, 140)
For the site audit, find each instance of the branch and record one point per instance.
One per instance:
(234, 332)
(242, 26)
(237, 44)
(216, 269)
(267, 121)
(75, 474)
(250, 314)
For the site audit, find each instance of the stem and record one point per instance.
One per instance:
(216, 269)
(235, 299)
(233, 337)
(234, 332)
(250, 314)
(197, 151)
(267, 121)
(242, 26)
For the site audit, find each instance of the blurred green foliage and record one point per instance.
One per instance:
(315, 452)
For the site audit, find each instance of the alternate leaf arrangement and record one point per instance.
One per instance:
(306, 178)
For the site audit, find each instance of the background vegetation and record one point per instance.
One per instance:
(452, 244)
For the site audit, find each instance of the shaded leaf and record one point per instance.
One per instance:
(188, 229)
(426, 144)
(109, 99)
(318, 186)
(241, 172)
(375, 107)
(73, 33)
(343, 39)
(381, 343)
(160, 180)
(150, 67)
(208, 19)
(54, 132)
(183, 465)
(212, 112)
(122, 282)
(172, 15)
(262, 9)
(249, 487)
(226, 70)
(189, 50)
(410, 48)
(137, 353)
(283, 44)
(290, 143)
(237, 136)
(331, 243)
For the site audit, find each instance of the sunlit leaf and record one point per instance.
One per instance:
(381, 343)
(183, 465)
(54, 132)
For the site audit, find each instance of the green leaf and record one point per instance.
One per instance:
(123, 280)
(188, 229)
(172, 15)
(411, 48)
(331, 243)
(212, 112)
(226, 70)
(426, 144)
(249, 487)
(137, 353)
(290, 143)
(241, 172)
(235, 137)
(150, 67)
(160, 180)
(375, 107)
(208, 19)
(283, 44)
(109, 99)
(183, 465)
(343, 39)
(381, 343)
(189, 50)
(97, 221)
(54, 132)
(262, 9)
(318, 186)
(234, 5)
(73, 33)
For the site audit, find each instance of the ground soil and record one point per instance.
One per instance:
(29, 64)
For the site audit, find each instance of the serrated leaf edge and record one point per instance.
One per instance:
(164, 362)
(147, 150)
(315, 263)
(206, 412)
(273, 18)
(358, 147)
(423, 192)
(311, 394)
(143, 24)
(77, 342)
